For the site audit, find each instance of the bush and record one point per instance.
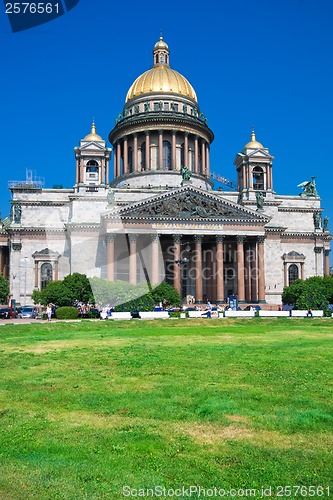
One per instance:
(66, 312)
(144, 303)
(4, 290)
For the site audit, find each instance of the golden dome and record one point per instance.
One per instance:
(161, 78)
(93, 136)
(161, 44)
(253, 144)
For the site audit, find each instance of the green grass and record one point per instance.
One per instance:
(86, 408)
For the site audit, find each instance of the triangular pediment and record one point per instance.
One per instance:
(188, 203)
(259, 153)
(93, 146)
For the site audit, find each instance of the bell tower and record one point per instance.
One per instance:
(92, 162)
(254, 170)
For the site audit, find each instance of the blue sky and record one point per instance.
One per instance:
(262, 63)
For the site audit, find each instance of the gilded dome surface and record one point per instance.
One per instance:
(161, 78)
(93, 136)
(253, 144)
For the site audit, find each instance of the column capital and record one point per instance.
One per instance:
(318, 249)
(155, 237)
(219, 238)
(261, 239)
(132, 237)
(110, 237)
(198, 238)
(327, 251)
(176, 238)
(240, 239)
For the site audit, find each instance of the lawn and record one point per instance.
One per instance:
(87, 408)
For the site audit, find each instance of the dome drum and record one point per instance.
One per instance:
(161, 128)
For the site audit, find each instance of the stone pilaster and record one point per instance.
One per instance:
(132, 258)
(240, 268)
(198, 268)
(155, 264)
(219, 268)
(110, 253)
(261, 269)
(176, 265)
(326, 261)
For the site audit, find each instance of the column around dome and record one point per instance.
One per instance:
(125, 148)
(196, 154)
(160, 149)
(147, 159)
(135, 152)
(173, 149)
(186, 150)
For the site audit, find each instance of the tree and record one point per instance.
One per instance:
(80, 288)
(167, 292)
(315, 293)
(57, 293)
(4, 290)
(36, 297)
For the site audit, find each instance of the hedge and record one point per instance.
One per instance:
(66, 312)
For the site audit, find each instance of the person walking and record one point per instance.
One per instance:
(49, 312)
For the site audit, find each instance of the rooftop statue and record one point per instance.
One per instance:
(260, 200)
(186, 173)
(309, 188)
(317, 220)
(325, 223)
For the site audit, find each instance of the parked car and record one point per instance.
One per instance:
(6, 314)
(28, 312)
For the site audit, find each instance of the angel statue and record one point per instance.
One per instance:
(317, 220)
(260, 200)
(186, 173)
(325, 223)
(309, 188)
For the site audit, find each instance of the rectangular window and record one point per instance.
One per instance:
(156, 106)
(166, 106)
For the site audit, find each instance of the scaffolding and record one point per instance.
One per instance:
(31, 181)
(223, 180)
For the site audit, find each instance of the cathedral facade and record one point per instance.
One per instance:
(159, 217)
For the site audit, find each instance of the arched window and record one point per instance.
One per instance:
(293, 273)
(167, 155)
(258, 178)
(143, 156)
(46, 273)
(92, 166)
